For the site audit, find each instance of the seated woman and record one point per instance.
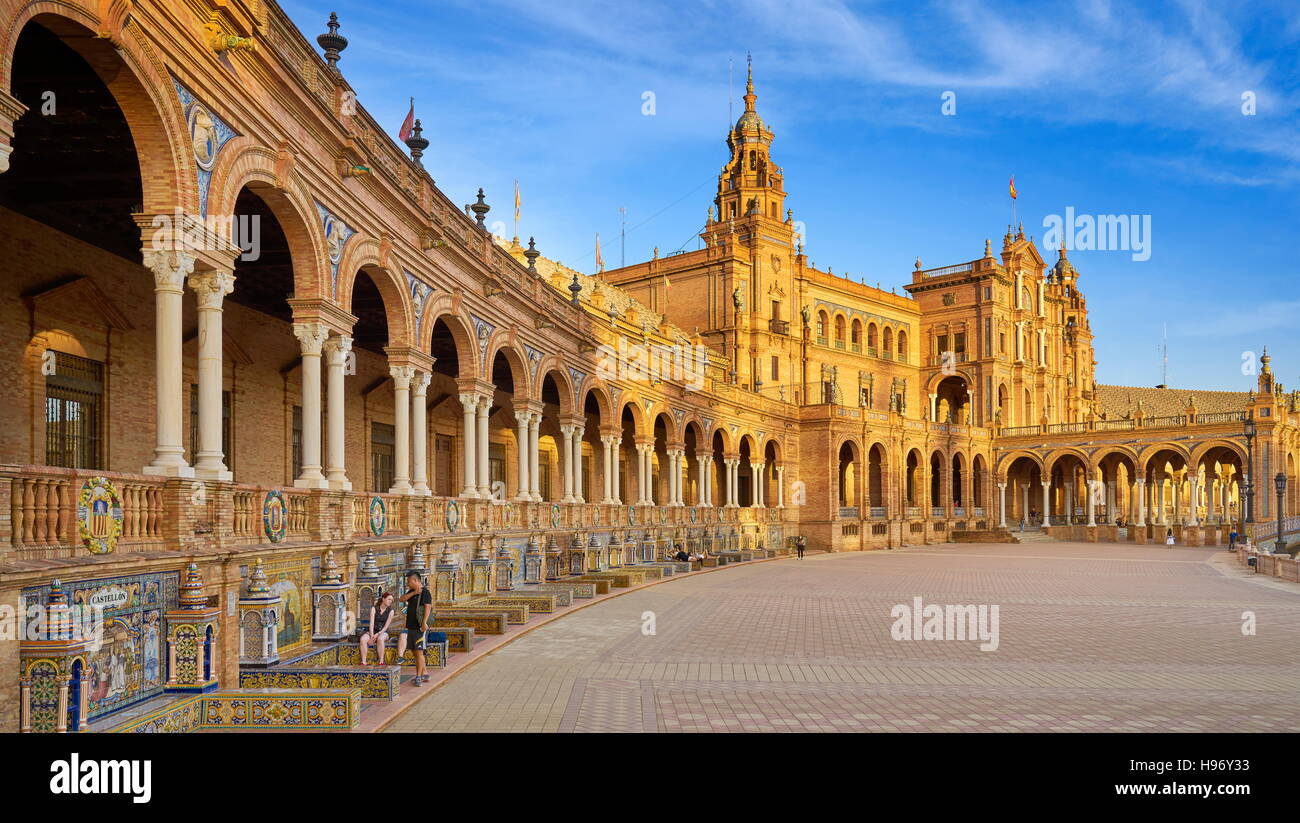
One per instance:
(381, 615)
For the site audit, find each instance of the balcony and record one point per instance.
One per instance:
(779, 326)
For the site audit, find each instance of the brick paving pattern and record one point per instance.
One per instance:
(1092, 638)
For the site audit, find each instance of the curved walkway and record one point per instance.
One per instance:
(1091, 638)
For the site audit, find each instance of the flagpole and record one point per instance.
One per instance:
(516, 211)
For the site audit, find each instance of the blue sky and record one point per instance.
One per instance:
(1106, 107)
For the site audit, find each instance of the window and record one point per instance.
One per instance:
(296, 440)
(776, 309)
(496, 465)
(443, 470)
(226, 428)
(587, 467)
(383, 441)
(988, 292)
(544, 470)
(776, 367)
(74, 404)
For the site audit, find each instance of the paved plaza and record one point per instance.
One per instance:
(1092, 637)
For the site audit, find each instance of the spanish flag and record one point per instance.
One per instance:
(1013, 187)
(600, 260)
(518, 201)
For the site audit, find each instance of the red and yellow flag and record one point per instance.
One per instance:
(1013, 187)
(600, 260)
(518, 201)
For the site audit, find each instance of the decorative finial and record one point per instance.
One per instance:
(532, 254)
(918, 264)
(988, 247)
(750, 97)
(416, 143)
(480, 209)
(575, 289)
(369, 567)
(329, 573)
(333, 42)
(257, 580)
(192, 596)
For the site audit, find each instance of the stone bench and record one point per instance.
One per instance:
(712, 562)
(619, 580)
(251, 710)
(482, 622)
(537, 602)
(374, 682)
(579, 590)
(517, 613)
(602, 585)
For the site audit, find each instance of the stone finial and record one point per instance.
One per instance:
(575, 289)
(417, 143)
(191, 594)
(532, 254)
(480, 209)
(369, 567)
(58, 619)
(446, 558)
(918, 264)
(988, 247)
(257, 584)
(417, 557)
(332, 42)
(329, 570)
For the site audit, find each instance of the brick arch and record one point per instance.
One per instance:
(1057, 455)
(253, 167)
(1151, 451)
(555, 367)
(1199, 453)
(727, 445)
(672, 433)
(604, 400)
(639, 417)
(447, 308)
(932, 385)
(762, 447)
(392, 289)
(144, 92)
(1007, 460)
(504, 343)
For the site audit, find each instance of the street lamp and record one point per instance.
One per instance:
(1280, 482)
(1250, 431)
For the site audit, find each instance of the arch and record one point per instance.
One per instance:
(638, 416)
(1055, 456)
(877, 468)
(1150, 452)
(902, 346)
(823, 325)
(721, 431)
(873, 336)
(855, 332)
(887, 341)
(502, 345)
(397, 306)
(1006, 461)
(558, 376)
(604, 402)
(443, 308)
(144, 93)
(1200, 451)
(839, 326)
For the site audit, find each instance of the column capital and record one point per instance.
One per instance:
(170, 268)
(402, 376)
(336, 350)
(523, 417)
(420, 383)
(211, 287)
(311, 337)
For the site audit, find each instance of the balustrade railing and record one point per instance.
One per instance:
(43, 505)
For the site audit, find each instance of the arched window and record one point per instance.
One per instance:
(873, 338)
(839, 330)
(855, 335)
(902, 347)
(821, 327)
(888, 342)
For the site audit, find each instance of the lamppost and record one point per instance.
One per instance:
(1280, 482)
(1250, 431)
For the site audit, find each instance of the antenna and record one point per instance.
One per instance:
(1164, 349)
(622, 236)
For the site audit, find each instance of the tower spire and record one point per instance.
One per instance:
(750, 97)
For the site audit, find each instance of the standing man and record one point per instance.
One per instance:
(800, 545)
(419, 610)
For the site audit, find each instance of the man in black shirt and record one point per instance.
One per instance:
(419, 610)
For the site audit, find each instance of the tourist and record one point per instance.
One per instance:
(1169, 538)
(800, 545)
(681, 556)
(381, 617)
(1232, 540)
(419, 610)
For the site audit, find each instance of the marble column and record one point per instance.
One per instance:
(402, 377)
(1047, 503)
(534, 446)
(211, 289)
(1002, 504)
(607, 464)
(419, 433)
(780, 488)
(616, 477)
(469, 428)
(566, 462)
(1193, 500)
(312, 337)
(523, 488)
(481, 440)
(1141, 496)
(169, 272)
(336, 352)
(579, 432)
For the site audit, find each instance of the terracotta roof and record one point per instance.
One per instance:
(1121, 401)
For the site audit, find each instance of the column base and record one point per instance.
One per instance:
(469, 494)
(221, 475)
(181, 469)
(422, 490)
(317, 481)
(339, 484)
(402, 487)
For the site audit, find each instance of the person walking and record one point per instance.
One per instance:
(419, 610)
(800, 545)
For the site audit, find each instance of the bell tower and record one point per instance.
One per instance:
(750, 185)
